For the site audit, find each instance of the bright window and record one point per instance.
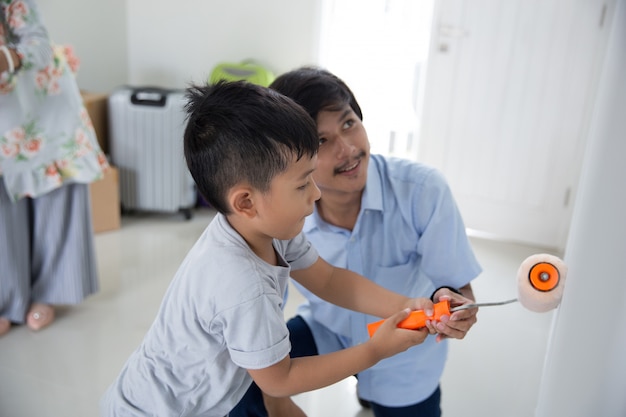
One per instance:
(379, 48)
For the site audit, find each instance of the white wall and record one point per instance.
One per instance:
(585, 369)
(172, 43)
(169, 44)
(97, 30)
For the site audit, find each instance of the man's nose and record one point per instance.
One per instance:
(344, 147)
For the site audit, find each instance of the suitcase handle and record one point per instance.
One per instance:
(149, 97)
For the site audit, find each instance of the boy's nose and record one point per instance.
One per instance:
(316, 192)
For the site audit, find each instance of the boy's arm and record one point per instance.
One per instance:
(355, 292)
(293, 376)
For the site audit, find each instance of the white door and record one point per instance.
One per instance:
(509, 93)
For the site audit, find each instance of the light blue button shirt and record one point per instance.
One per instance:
(409, 237)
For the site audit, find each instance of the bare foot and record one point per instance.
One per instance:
(39, 316)
(282, 407)
(5, 326)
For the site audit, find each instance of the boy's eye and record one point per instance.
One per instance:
(302, 187)
(348, 123)
(322, 141)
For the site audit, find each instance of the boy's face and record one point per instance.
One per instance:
(290, 200)
(344, 152)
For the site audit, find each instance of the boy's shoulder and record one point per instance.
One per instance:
(220, 240)
(224, 245)
(218, 263)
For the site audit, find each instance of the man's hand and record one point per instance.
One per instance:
(458, 323)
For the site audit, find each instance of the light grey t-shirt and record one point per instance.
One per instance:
(221, 315)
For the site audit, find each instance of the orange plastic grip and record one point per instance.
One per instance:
(417, 319)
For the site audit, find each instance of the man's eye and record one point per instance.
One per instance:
(302, 187)
(348, 124)
(322, 141)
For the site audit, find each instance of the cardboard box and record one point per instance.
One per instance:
(105, 202)
(97, 107)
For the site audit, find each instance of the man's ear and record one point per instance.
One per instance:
(241, 199)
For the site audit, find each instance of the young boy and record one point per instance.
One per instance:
(252, 153)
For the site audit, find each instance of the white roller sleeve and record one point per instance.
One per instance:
(533, 298)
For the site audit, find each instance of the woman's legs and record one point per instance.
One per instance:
(64, 262)
(47, 252)
(64, 269)
(15, 260)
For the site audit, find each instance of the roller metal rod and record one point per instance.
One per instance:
(476, 305)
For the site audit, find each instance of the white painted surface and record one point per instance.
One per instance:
(585, 369)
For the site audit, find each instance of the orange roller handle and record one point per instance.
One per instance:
(417, 319)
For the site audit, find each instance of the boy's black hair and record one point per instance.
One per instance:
(238, 132)
(316, 89)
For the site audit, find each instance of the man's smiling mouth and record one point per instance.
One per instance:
(354, 165)
(349, 167)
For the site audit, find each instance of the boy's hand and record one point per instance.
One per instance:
(427, 305)
(389, 339)
(421, 303)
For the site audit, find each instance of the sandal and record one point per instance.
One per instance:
(5, 326)
(39, 316)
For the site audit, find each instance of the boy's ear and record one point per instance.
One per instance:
(241, 199)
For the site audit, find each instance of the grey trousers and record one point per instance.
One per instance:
(47, 250)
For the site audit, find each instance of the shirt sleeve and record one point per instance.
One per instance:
(27, 34)
(447, 256)
(299, 252)
(261, 339)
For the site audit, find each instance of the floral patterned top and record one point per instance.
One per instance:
(46, 135)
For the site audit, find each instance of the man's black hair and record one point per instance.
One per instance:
(316, 89)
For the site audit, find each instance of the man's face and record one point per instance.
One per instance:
(344, 152)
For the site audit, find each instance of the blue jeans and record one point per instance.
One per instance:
(303, 344)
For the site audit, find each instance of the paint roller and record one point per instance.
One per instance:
(540, 281)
